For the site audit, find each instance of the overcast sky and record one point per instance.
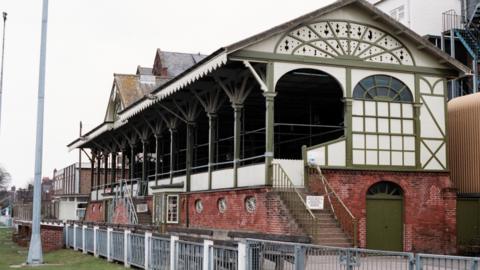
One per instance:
(88, 41)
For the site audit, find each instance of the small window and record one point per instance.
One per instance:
(382, 88)
(172, 209)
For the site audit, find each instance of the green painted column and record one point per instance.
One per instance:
(124, 161)
(173, 132)
(158, 151)
(212, 129)
(92, 173)
(105, 171)
(237, 128)
(132, 161)
(189, 155)
(114, 168)
(269, 135)
(143, 184)
(348, 131)
(99, 164)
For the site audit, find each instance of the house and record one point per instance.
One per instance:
(343, 102)
(71, 188)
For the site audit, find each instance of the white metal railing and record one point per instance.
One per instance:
(143, 250)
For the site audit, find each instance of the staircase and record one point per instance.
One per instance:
(124, 193)
(321, 225)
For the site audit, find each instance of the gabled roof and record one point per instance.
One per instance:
(131, 88)
(376, 13)
(171, 64)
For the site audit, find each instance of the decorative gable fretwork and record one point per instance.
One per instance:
(344, 39)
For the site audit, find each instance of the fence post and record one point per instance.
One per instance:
(148, 235)
(126, 243)
(95, 250)
(75, 236)
(207, 244)
(418, 262)
(299, 257)
(242, 255)
(173, 251)
(67, 226)
(109, 244)
(84, 228)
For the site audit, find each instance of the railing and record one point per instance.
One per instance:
(223, 258)
(102, 243)
(291, 196)
(70, 242)
(452, 21)
(434, 262)
(253, 254)
(159, 250)
(89, 240)
(117, 246)
(188, 255)
(281, 255)
(340, 211)
(124, 193)
(136, 250)
(79, 238)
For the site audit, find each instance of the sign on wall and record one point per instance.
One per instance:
(315, 202)
(142, 208)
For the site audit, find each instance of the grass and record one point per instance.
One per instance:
(65, 259)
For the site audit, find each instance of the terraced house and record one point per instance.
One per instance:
(343, 102)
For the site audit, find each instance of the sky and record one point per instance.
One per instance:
(87, 42)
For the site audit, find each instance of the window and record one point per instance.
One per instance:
(159, 212)
(382, 88)
(172, 208)
(383, 123)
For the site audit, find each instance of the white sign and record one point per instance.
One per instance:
(315, 202)
(142, 208)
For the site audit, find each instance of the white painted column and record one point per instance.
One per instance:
(84, 249)
(95, 250)
(207, 244)
(148, 235)
(109, 246)
(242, 255)
(67, 227)
(126, 240)
(173, 251)
(75, 236)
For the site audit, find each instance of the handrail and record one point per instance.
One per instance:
(282, 180)
(338, 208)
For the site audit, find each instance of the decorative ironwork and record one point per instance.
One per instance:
(337, 39)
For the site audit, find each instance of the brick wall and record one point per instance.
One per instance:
(51, 235)
(270, 216)
(429, 205)
(85, 181)
(95, 212)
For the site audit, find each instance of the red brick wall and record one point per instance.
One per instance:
(85, 181)
(429, 205)
(120, 215)
(52, 236)
(271, 216)
(95, 212)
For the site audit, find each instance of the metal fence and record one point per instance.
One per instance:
(102, 242)
(117, 251)
(165, 253)
(437, 262)
(223, 258)
(188, 255)
(79, 238)
(159, 250)
(136, 250)
(89, 240)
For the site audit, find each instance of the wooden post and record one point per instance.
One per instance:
(99, 165)
(172, 152)
(237, 128)
(144, 181)
(157, 157)
(189, 154)
(269, 135)
(105, 171)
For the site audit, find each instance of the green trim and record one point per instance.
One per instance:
(348, 117)
(416, 115)
(267, 57)
(269, 121)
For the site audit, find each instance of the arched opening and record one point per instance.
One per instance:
(385, 216)
(309, 110)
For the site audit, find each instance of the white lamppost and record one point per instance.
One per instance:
(35, 255)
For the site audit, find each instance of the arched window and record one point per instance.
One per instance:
(385, 189)
(382, 88)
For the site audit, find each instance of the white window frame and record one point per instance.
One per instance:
(168, 210)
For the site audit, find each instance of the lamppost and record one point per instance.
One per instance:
(35, 256)
(1, 68)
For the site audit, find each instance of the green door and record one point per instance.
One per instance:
(385, 217)
(468, 220)
(384, 224)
